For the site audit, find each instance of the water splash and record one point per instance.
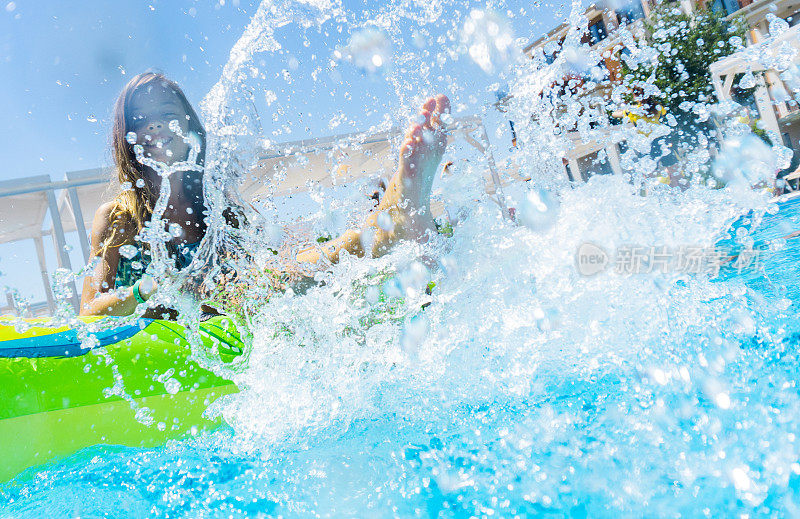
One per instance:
(488, 39)
(369, 49)
(519, 384)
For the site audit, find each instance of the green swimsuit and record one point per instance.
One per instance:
(130, 270)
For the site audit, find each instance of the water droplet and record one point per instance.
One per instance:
(745, 161)
(172, 386)
(140, 183)
(92, 119)
(367, 239)
(175, 230)
(11, 6)
(748, 80)
(414, 278)
(369, 49)
(449, 265)
(538, 210)
(144, 416)
(372, 294)
(147, 285)
(414, 334)
(385, 222)
(488, 38)
(777, 25)
(128, 251)
(741, 481)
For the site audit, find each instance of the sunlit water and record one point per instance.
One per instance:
(534, 390)
(524, 387)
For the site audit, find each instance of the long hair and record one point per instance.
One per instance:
(135, 204)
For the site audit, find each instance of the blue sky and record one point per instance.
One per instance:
(62, 65)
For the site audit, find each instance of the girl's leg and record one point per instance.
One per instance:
(407, 198)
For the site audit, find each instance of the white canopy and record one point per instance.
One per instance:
(752, 57)
(339, 160)
(22, 211)
(757, 58)
(77, 204)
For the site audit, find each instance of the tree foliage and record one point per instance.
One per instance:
(685, 47)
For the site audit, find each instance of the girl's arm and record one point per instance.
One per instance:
(381, 240)
(99, 296)
(349, 241)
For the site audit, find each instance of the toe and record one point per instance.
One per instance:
(442, 107)
(442, 104)
(416, 133)
(428, 122)
(413, 137)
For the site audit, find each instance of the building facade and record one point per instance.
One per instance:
(770, 103)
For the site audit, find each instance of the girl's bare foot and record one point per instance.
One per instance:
(404, 212)
(407, 198)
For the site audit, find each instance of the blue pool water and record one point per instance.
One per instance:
(533, 390)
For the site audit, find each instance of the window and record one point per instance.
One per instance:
(729, 6)
(594, 164)
(630, 12)
(597, 31)
(744, 97)
(550, 51)
(569, 171)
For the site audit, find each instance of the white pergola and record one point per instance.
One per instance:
(83, 193)
(755, 58)
(24, 205)
(283, 170)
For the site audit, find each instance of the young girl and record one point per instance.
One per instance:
(153, 117)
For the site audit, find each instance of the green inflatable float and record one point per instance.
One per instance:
(136, 387)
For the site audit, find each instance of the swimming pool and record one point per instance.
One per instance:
(533, 390)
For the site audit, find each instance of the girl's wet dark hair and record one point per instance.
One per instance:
(136, 204)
